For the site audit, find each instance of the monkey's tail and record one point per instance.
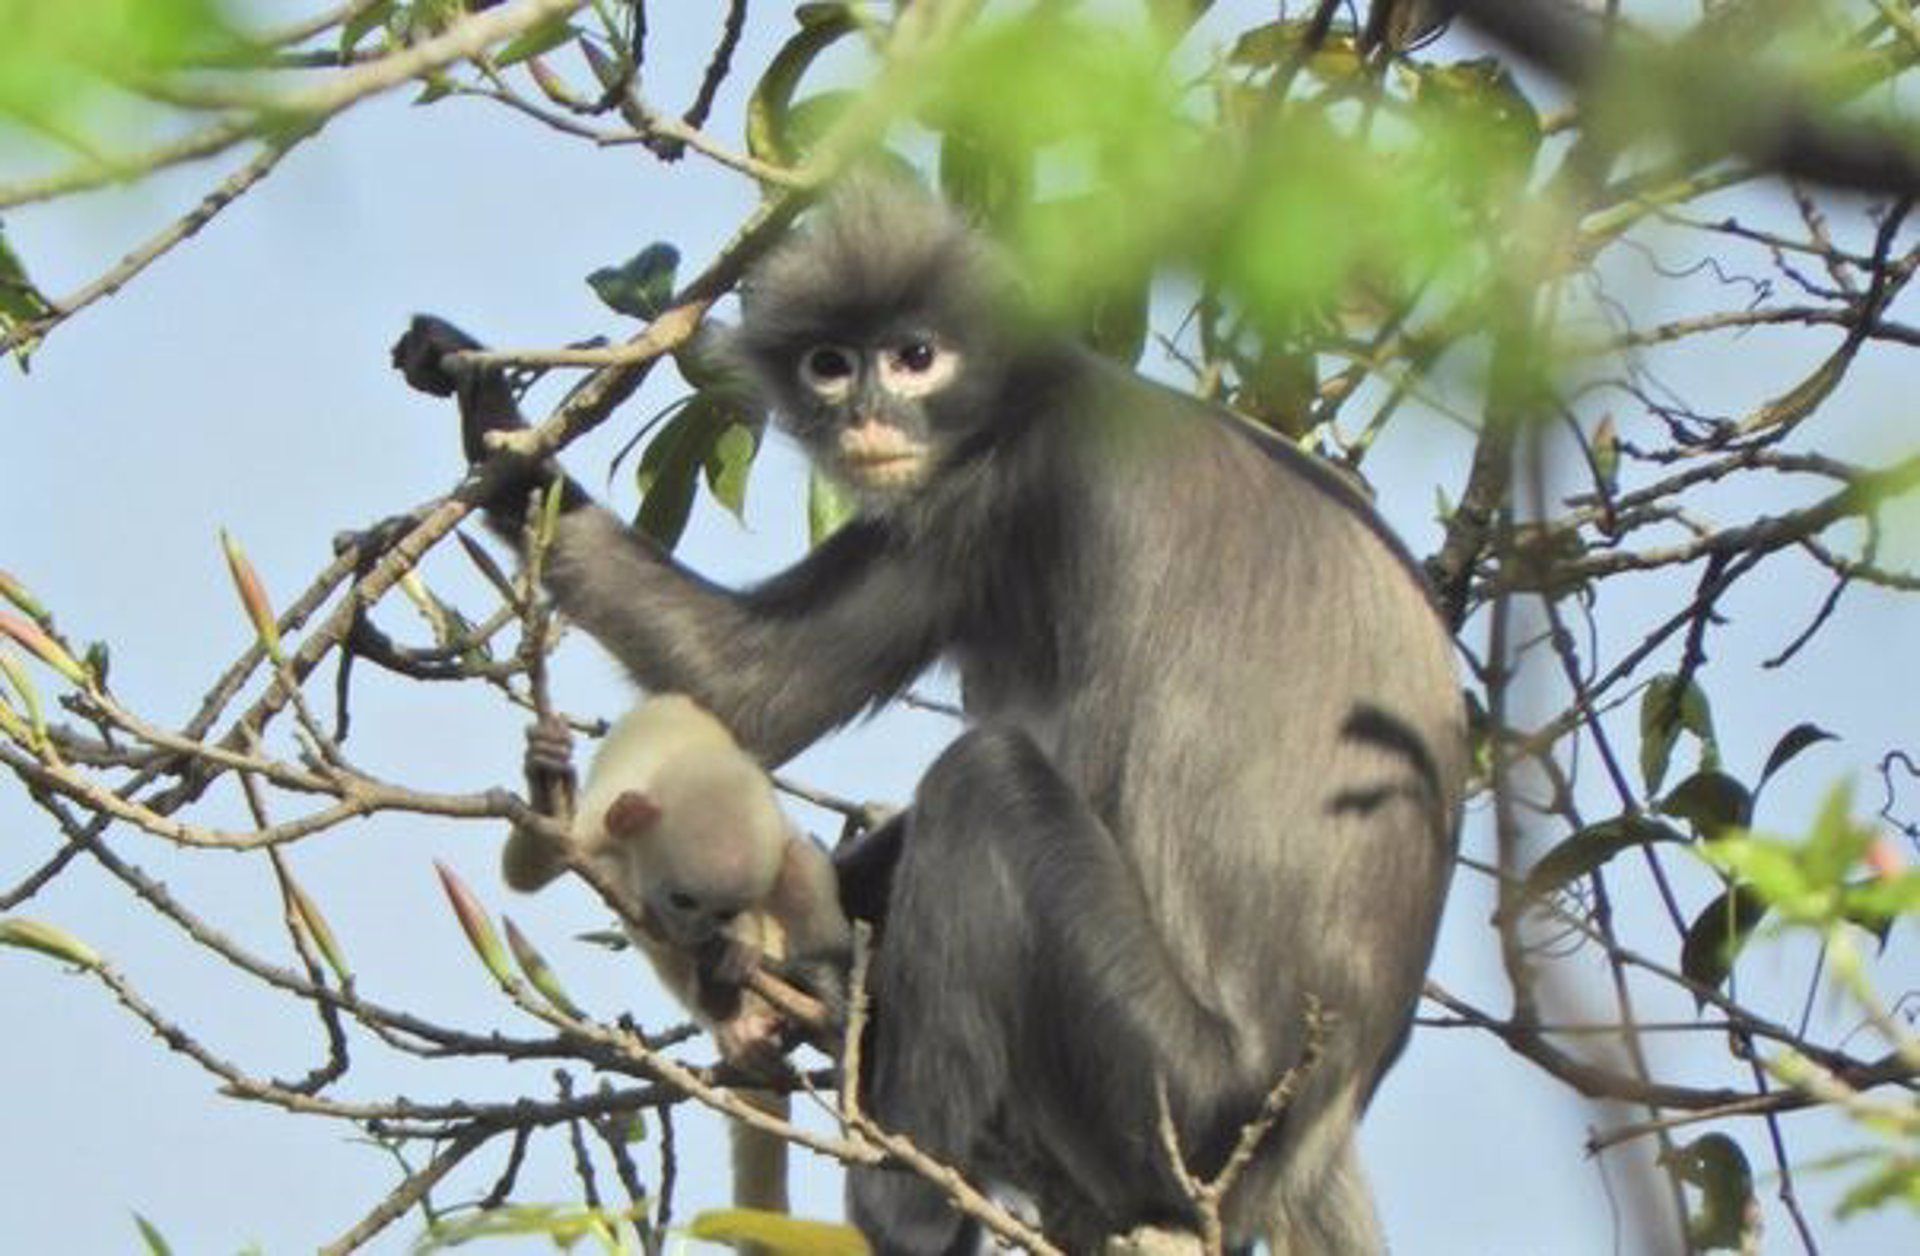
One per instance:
(760, 1161)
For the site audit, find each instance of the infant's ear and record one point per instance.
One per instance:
(632, 814)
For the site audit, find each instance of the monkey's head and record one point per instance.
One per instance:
(702, 845)
(879, 332)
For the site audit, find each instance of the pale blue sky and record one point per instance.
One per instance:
(243, 383)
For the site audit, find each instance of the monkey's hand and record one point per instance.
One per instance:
(531, 859)
(864, 866)
(753, 1039)
(421, 351)
(824, 980)
(487, 405)
(551, 784)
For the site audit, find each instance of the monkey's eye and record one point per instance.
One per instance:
(682, 902)
(826, 368)
(916, 356)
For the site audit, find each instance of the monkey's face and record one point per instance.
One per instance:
(685, 918)
(872, 413)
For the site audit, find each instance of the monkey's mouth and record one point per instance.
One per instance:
(876, 455)
(879, 469)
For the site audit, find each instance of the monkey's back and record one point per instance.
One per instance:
(1290, 719)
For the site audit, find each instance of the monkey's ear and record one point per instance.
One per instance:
(632, 814)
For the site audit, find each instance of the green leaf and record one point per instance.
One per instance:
(777, 1232)
(20, 302)
(1712, 802)
(1728, 1213)
(1717, 934)
(670, 469)
(545, 37)
(1592, 847)
(769, 109)
(829, 506)
(641, 286)
(35, 935)
(1666, 710)
(1791, 743)
(728, 462)
(151, 1236)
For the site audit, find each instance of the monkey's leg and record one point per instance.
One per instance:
(1023, 990)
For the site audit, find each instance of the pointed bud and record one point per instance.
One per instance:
(538, 971)
(473, 920)
(16, 729)
(1883, 858)
(45, 648)
(34, 935)
(317, 927)
(13, 591)
(29, 696)
(552, 85)
(253, 596)
(1606, 454)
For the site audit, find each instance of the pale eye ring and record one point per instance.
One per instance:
(827, 369)
(918, 367)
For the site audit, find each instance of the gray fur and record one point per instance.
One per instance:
(1214, 771)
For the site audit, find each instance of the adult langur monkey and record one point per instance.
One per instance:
(1214, 765)
(686, 824)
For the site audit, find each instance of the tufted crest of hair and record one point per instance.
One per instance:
(877, 255)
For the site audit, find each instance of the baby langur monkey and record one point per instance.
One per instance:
(682, 819)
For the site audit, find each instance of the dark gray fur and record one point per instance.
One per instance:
(1213, 773)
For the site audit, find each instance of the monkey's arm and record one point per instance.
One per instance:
(779, 664)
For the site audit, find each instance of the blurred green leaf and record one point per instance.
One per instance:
(545, 37)
(20, 301)
(1592, 847)
(1895, 1180)
(363, 23)
(991, 183)
(769, 109)
(57, 59)
(563, 1224)
(777, 1233)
